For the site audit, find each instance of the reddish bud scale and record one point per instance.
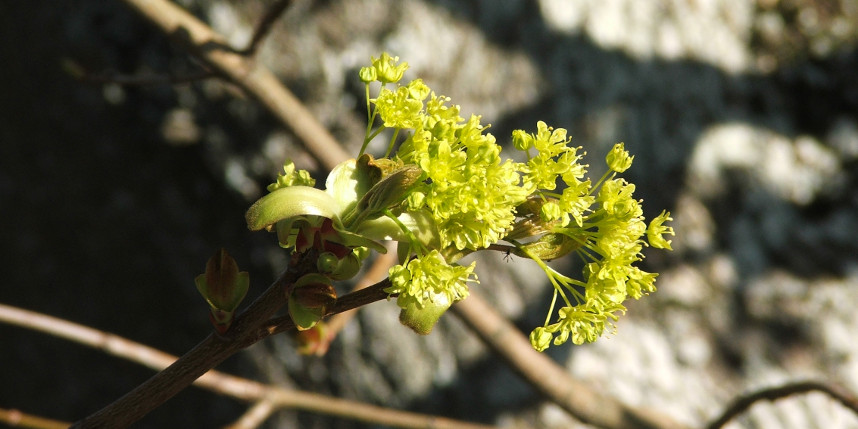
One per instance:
(223, 286)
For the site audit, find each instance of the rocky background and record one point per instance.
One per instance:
(743, 116)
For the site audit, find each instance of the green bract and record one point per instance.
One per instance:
(444, 190)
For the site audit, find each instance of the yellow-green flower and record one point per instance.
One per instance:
(470, 191)
(540, 338)
(386, 69)
(426, 286)
(618, 158)
(291, 177)
(656, 231)
(397, 109)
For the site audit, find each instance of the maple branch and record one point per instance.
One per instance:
(549, 378)
(204, 356)
(266, 398)
(741, 404)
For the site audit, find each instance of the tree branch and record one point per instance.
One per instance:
(205, 356)
(551, 379)
(253, 78)
(264, 26)
(78, 72)
(349, 302)
(255, 415)
(16, 418)
(741, 404)
(215, 381)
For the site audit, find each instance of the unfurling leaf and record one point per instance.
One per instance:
(421, 319)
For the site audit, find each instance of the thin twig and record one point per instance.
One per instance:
(246, 73)
(741, 404)
(15, 418)
(263, 28)
(377, 272)
(204, 356)
(255, 415)
(272, 14)
(219, 382)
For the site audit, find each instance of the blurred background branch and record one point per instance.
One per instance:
(266, 398)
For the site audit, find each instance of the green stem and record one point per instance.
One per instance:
(550, 309)
(413, 241)
(376, 133)
(392, 142)
(602, 180)
(558, 281)
(370, 117)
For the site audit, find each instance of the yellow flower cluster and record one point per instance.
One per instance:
(446, 191)
(478, 199)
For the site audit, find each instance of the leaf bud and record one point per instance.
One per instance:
(311, 297)
(548, 247)
(223, 288)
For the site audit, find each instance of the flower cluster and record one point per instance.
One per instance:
(443, 190)
(426, 287)
(470, 191)
(601, 222)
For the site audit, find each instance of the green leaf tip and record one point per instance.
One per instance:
(285, 203)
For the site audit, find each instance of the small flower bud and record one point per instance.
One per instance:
(347, 268)
(540, 339)
(368, 74)
(521, 140)
(327, 263)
